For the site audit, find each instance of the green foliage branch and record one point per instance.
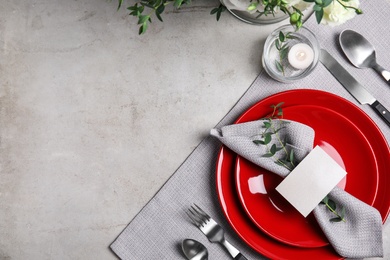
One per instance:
(272, 125)
(281, 44)
(156, 7)
(271, 7)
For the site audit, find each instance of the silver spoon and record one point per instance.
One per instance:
(360, 52)
(194, 250)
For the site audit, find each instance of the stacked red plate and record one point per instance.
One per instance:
(261, 217)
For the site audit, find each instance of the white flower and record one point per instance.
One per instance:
(240, 5)
(300, 4)
(336, 14)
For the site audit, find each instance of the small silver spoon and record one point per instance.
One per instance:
(360, 52)
(194, 250)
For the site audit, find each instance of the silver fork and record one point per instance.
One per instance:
(212, 230)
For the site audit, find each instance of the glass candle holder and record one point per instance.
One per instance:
(290, 54)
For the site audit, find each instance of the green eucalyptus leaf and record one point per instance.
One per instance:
(342, 213)
(319, 14)
(332, 204)
(134, 13)
(267, 125)
(160, 9)
(325, 200)
(219, 14)
(143, 18)
(297, 10)
(258, 142)
(143, 28)
(279, 66)
(281, 36)
(326, 2)
(147, 5)
(213, 11)
(120, 2)
(317, 8)
(277, 44)
(284, 52)
(292, 156)
(273, 149)
(159, 17)
(336, 219)
(177, 3)
(267, 155)
(267, 138)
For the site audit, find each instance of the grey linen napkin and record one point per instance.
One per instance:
(360, 236)
(157, 230)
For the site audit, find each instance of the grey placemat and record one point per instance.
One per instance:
(157, 230)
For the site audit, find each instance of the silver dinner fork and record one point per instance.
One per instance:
(212, 230)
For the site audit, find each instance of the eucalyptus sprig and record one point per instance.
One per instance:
(281, 44)
(331, 205)
(271, 129)
(156, 7)
(287, 160)
(218, 11)
(271, 7)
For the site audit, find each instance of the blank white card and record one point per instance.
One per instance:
(314, 177)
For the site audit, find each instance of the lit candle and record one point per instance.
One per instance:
(301, 56)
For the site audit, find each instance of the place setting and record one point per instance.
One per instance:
(248, 192)
(298, 169)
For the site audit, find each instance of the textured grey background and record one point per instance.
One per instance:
(94, 118)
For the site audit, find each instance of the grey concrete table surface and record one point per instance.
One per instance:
(95, 118)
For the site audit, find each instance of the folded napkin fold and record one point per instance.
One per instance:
(360, 236)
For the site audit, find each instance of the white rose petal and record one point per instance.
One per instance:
(240, 5)
(336, 14)
(302, 5)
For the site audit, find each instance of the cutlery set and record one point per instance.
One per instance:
(213, 231)
(362, 55)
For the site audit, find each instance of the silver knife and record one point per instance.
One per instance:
(353, 87)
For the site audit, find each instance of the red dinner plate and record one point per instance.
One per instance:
(344, 142)
(225, 173)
